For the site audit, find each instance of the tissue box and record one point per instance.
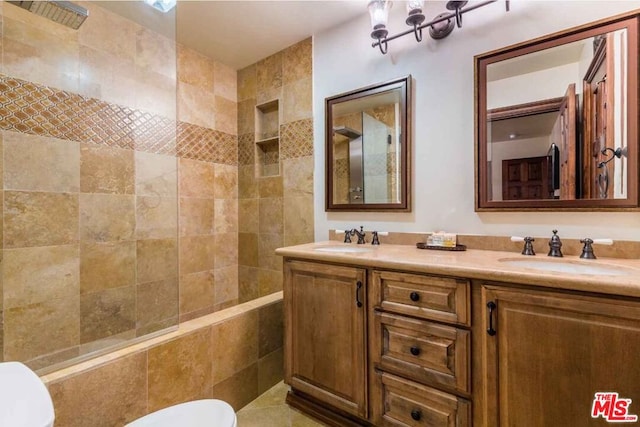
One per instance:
(442, 239)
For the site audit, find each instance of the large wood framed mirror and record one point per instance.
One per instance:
(557, 121)
(368, 140)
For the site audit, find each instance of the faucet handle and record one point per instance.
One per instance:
(374, 238)
(347, 236)
(554, 245)
(527, 249)
(587, 250)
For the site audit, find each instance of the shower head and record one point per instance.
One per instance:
(62, 12)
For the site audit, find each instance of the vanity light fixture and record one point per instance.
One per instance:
(439, 27)
(163, 6)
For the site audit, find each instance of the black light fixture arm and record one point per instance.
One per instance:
(417, 29)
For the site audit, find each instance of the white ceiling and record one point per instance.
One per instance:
(240, 33)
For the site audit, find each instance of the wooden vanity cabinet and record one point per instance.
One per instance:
(325, 341)
(551, 352)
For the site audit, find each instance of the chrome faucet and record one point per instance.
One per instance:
(360, 235)
(554, 245)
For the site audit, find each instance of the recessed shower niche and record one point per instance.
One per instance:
(267, 121)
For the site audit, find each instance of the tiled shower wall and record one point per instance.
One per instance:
(104, 184)
(274, 211)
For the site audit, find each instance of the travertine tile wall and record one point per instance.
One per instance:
(108, 178)
(208, 190)
(276, 210)
(234, 355)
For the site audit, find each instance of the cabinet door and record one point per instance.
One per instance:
(551, 353)
(325, 334)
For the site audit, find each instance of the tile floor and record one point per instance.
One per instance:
(270, 410)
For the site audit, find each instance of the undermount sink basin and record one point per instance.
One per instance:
(572, 267)
(343, 249)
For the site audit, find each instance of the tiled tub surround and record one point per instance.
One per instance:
(274, 211)
(234, 354)
(119, 206)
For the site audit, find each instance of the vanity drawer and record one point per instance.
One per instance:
(424, 351)
(406, 403)
(429, 297)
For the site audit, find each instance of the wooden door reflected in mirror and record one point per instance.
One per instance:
(556, 122)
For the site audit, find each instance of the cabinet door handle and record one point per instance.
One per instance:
(415, 350)
(414, 296)
(491, 306)
(416, 414)
(358, 287)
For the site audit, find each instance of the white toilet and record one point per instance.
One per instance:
(197, 413)
(25, 402)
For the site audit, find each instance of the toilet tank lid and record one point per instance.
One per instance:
(24, 399)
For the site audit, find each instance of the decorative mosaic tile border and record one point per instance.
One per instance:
(39, 110)
(246, 149)
(296, 139)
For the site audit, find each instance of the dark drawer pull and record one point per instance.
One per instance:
(416, 414)
(414, 296)
(415, 350)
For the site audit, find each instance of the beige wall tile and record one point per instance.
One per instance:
(247, 182)
(226, 289)
(196, 216)
(155, 52)
(269, 73)
(106, 76)
(35, 163)
(248, 215)
(155, 93)
(226, 115)
(156, 217)
(270, 370)
(156, 305)
(197, 291)
(270, 187)
(299, 239)
(226, 181)
(269, 281)
(109, 341)
(267, 95)
(156, 175)
(110, 395)
(106, 170)
(35, 275)
(36, 51)
(106, 313)
(108, 32)
(297, 100)
(156, 260)
(226, 249)
(197, 253)
(226, 82)
(247, 283)
(235, 345)
(197, 179)
(270, 328)
(297, 61)
(106, 265)
(40, 219)
(226, 215)
(196, 106)
(239, 389)
(246, 116)
(247, 83)
(298, 215)
(107, 217)
(271, 216)
(248, 249)
(297, 176)
(195, 68)
(41, 328)
(267, 245)
(180, 369)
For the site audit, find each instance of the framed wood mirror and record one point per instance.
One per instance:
(368, 141)
(557, 121)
